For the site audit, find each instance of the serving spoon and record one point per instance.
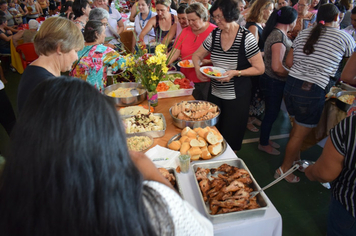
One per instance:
(288, 172)
(134, 92)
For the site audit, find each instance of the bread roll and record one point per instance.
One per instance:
(206, 155)
(197, 143)
(192, 134)
(201, 139)
(183, 139)
(217, 135)
(197, 129)
(194, 158)
(211, 138)
(204, 148)
(202, 133)
(215, 149)
(175, 145)
(194, 151)
(185, 131)
(184, 148)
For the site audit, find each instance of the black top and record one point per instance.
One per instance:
(261, 43)
(32, 76)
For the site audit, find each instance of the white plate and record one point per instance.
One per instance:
(190, 61)
(222, 71)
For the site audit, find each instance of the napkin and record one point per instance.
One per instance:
(163, 157)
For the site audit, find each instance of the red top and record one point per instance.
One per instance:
(188, 43)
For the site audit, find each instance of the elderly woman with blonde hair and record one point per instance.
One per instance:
(57, 43)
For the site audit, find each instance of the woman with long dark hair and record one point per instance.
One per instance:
(69, 172)
(314, 58)
(277, 46)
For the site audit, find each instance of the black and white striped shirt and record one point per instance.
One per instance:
(228, 60)
(343, 136)
(317, 67)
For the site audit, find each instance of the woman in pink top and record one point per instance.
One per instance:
(189, 41)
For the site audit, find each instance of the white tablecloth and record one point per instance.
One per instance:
(270, 224)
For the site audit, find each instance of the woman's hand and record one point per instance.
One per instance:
(148, 169)
(230, 74)
(200, 76)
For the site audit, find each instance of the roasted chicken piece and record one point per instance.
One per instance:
(204, 187)
(167, 175)
(202, 173)
(225, 168)
(230, 203)
(234, 186)
(242, 193)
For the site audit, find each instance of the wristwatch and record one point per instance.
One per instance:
(239, 73)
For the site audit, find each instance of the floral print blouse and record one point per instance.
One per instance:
(92, 64)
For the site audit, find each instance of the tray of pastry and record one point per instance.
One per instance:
(152, 124)
(224, 188)
(171, 175)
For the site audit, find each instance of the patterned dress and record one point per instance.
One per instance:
(92, 64)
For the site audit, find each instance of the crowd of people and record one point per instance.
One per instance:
(271, 51)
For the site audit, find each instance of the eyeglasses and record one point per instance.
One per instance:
(218, 17)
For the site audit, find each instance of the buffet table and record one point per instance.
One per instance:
(270, 224)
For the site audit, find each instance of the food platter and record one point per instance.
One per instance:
(195, 123)
(224, 145)
(153, 134)
(186, 64)
(341, 104)
(136, 142)
(232, 216)
(213, 71)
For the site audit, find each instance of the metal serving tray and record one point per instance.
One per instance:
(232, 216)
(178, 185)
(153, 134)
(195, 124)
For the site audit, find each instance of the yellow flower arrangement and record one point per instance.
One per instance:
(148, 69)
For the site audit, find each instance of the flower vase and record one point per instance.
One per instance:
(152, 98)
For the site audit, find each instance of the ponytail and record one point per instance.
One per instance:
(286, 15)
(326, 13)
(313, 38)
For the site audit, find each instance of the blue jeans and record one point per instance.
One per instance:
(273, 94)
(304, 101)
(340, 221)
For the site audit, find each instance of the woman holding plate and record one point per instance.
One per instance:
(199, 28)
(235, 50)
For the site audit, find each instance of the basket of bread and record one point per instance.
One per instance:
(194, 114)
(199, 143)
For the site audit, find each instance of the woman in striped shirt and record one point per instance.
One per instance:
(234, 49)
(337, 163)
(314, 58)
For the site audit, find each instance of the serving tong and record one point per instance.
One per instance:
(288, 172)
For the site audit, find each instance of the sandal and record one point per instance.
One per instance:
(296, 179)
(256, 121)
(269, 149)
(274, 144)
(251, 127)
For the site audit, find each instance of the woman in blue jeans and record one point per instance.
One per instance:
(277, 46)
(314, 58)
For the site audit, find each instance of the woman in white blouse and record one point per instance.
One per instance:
(141, 20)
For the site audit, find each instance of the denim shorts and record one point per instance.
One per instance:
(304, 101)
